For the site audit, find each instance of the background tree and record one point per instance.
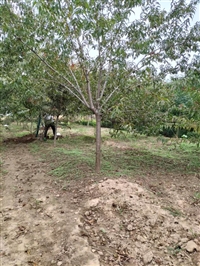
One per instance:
(142, 107)
(186, 101)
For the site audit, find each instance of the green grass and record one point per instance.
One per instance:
(72, 162)
(127, 156)
(35, 147)
(75, 152)
(75, 155)
(119, 162)
(14, 130)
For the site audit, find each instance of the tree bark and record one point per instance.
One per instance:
(55, 136)
(98, 142)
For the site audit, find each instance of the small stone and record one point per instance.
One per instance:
(59, 263)
(191, 246)
(148, 257)
(100, 253)
(7, 218)
(183, 240)
(129, 227)
(141, 239)
(87, 213)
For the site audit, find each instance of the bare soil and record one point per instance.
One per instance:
(154, 220)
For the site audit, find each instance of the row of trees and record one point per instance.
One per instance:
(100, 56)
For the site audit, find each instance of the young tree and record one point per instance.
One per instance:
(85, 45)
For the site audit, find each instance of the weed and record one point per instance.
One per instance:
(120, 208)
(102, 230)
(4, 172)
(37, 204)
(197, 195)
(196, 198)
(173, 211)
(193, 234)
(1, 163)
(65, 187)
(174, 250)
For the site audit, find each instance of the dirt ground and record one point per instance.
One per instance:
(95, 222)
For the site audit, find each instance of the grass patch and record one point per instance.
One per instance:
(69, 171)
(74, 152)
(14, 130)
(35, 147)
(138, 156)
(71, 163)
(59, 171)
(126, 156)
(21, 134)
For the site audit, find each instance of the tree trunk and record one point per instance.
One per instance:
(56, 126)
(98, 142)
(38, 125)
(31, 126)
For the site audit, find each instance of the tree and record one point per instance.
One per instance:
(58, 103)
(186, 89)
(86, 46)
(142, 107)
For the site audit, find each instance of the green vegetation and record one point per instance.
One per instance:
(173, 211)
(196, 198)
(14, 130)
(35, 147)
(174, 251)
(73, 156)
(126, 155)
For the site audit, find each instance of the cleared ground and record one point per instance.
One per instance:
(143, 209)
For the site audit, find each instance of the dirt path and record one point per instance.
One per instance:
(91, 223)
(39, 226)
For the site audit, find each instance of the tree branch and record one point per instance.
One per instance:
(70, 91)
(85, 73)
(108, 98)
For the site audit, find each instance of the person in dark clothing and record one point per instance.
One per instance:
(49, 123)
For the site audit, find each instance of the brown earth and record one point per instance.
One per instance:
(95, 222)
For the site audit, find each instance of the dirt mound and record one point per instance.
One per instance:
(24, 139)
(126, 225)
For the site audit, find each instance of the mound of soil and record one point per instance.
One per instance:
(126, 225)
